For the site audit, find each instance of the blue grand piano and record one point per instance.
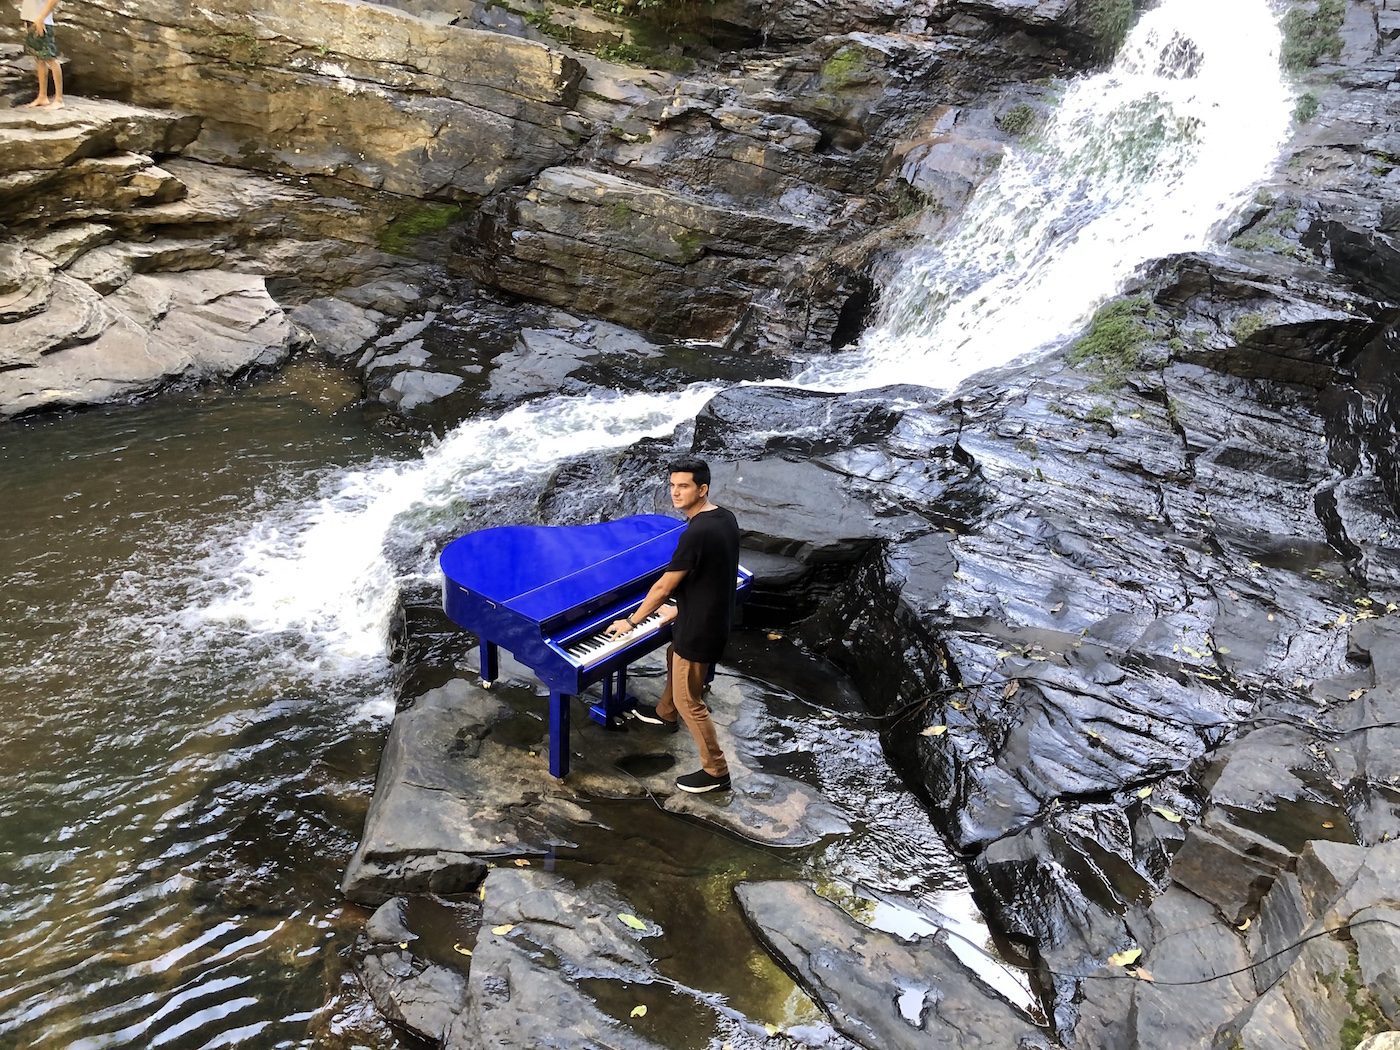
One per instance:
(547, 595)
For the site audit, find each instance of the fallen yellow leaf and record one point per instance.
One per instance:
(1167, 814)
(462, 951)
(639, 1011)
(771, 1029)
(501, 931)
(774, 636)
(403, 944)
(1011, 688)
(933, 731)
(1143, 975)
(521, 862)
(1243, 926)
(1144, 792)
(631, 921)
(1123, 958)
(1328, 824)
(1342, 620)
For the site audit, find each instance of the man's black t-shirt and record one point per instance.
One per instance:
(709, 551)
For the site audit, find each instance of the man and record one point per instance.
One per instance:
(39, 43)
(701, 575)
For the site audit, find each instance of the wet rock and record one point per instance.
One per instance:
(880, 991)
(1183, 942)
(425, 999)
(389, 924)
(337, 327)
(464, 777)
(513, 1001)
(156, 329)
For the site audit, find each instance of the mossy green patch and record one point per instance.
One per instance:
(1311, 33)
(1365, 1019)
(1245, 326)
(620, 213)
(1306, 108)
(1108, 22)
(398, 236)
(1266, 234)
(1017, 120)
(1113, 344)
(842, 68)
(637, 55)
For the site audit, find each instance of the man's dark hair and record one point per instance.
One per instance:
(696, 467)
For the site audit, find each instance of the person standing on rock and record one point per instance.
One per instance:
(701, 575)
(39, 42)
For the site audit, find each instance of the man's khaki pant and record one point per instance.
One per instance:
(685, 681)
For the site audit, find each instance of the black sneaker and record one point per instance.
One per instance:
(646, 713)
(700, 781)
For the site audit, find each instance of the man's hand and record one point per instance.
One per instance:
(620, 627)
(668, 613)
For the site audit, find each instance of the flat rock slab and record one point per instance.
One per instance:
(464, 777)
(157, 328)
(885, 993)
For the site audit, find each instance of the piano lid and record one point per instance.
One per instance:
(542, 570)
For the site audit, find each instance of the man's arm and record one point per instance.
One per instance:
(656, 597)
(44, 15)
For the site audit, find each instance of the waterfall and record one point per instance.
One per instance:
(1135, 163)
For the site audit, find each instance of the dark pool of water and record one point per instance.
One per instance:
(167, 801)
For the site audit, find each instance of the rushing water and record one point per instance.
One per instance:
(1134, 164)
(196, 590)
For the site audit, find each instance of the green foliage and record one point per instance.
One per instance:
(1310, 34)
(1306, 108)
(843, 67)
(1365, 1020)
(1017, 120)
(621, 213)
(1113, 344)
(1266, 235)
(1245, 326)
(541, 21)
(637, 55)
(1108, 22)
(691, 243)
(398, 235)
(1099, 413)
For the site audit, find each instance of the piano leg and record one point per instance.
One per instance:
(559, 734)
(490, 663)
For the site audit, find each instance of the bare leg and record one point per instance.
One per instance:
(57, 72)
(41, 75)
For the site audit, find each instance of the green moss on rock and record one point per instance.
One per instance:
(398, 236)
(1113, 344)
(1017, 120)
(1311, 33)
(843, 67)
(1108, 22)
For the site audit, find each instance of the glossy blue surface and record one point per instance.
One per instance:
(506, 564)
(530, 589)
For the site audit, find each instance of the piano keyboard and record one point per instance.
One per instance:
(599, 646)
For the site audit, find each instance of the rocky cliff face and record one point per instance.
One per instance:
(726, 201)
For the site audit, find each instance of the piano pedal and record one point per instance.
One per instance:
(616, 724)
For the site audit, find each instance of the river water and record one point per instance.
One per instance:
(196, 589)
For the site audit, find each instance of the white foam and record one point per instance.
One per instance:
(317, 572)
(1135, 164)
